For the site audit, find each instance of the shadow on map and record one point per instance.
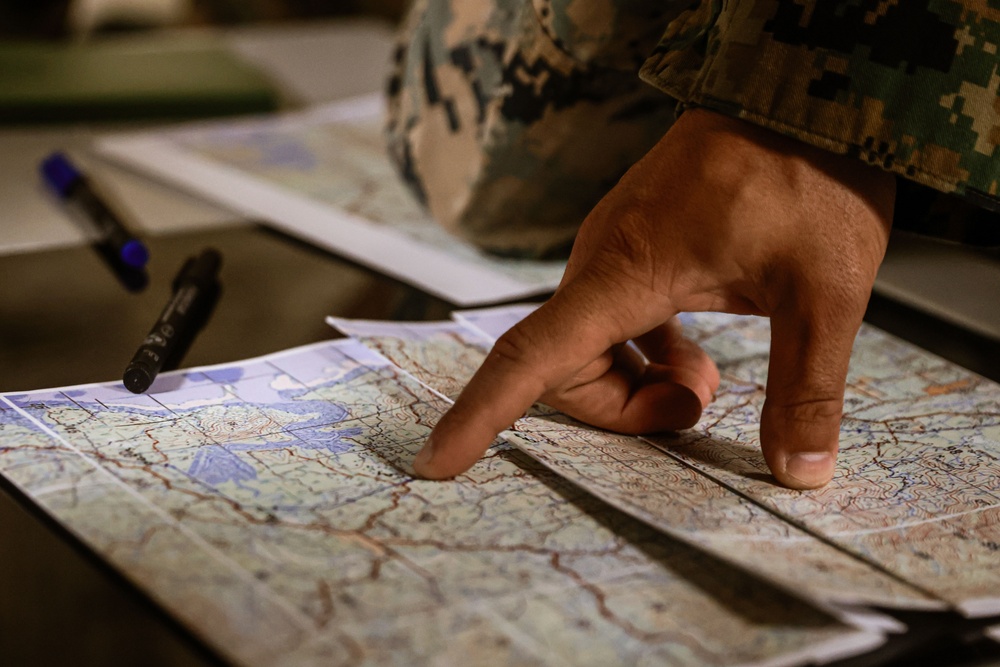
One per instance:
(166, 383)
(710, 452)
(742, 593)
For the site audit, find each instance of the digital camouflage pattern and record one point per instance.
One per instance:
(511, 118)
(510, 136)
(910, 86)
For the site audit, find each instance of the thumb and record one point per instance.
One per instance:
(807, 374)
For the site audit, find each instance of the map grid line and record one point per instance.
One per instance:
(303, 621)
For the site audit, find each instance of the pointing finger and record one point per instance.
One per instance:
(544, 351)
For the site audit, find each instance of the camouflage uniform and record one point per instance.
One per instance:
(511, 118)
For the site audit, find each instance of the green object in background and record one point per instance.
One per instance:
(127, 78)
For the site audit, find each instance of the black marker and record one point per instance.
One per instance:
(67, 181)
(196, 289)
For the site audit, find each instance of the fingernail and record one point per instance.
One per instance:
(808, 470)
(424, 456)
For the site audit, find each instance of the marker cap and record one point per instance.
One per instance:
(60, 173)
(134, 254)
(137, 379)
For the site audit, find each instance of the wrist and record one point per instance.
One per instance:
(733, 135)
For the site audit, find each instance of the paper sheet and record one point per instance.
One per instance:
(323, 175)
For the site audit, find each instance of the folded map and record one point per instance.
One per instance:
(269, 505)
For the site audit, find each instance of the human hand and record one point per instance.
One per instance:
(721, 215)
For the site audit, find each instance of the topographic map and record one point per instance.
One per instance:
(269, 505)
(916, 491)
(324, 175)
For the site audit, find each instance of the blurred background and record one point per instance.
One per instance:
(82, 18)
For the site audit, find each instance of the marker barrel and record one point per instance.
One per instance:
(131, 251)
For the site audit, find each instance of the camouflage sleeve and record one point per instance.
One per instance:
(909, 86)
(510, 119)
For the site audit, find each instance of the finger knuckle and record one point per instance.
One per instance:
(513, 348)
(815, 409)
(630, 236)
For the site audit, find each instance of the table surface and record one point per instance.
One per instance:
(67, 320)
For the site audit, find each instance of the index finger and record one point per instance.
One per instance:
(579, 323)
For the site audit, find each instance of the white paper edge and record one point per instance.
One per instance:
(468, 320)
(979, 607)
(861, 616)
(838, 648)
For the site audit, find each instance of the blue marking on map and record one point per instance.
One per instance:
(195, 378)
(75, 393)
(263, 446)
(225, 375)
(282, 151)
(332, 441)
(290, 155)
(355, 373)
(326, 412)
(37, 405)
(216, 465)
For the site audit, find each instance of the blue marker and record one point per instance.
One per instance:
(72, 186)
